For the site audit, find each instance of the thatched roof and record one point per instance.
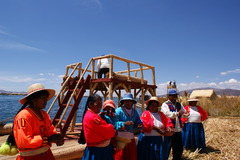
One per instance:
(209, 93)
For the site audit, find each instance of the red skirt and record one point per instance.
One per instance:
(44, 156)
(128, 153)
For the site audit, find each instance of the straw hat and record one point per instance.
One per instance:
(128, 96)
(109, 103)
(193, 100)
(154, 98)
(121, 142)
(36, 88)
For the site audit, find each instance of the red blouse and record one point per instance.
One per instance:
(148, 120)
(96, 130)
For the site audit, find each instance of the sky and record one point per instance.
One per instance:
(194, 42)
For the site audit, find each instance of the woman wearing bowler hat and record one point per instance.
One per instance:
(156, 125)
(127, 122)
(193, 131)
(33, 129)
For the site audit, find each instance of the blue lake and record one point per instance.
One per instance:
(9, 106)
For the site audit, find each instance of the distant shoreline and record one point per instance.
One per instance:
(13, 94)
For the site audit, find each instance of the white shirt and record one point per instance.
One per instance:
(194, 116)
(103, 63)
(173, 115)
(157, 122)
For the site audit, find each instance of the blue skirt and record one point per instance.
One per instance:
(151, 148)
(98, 153)
(193, 136)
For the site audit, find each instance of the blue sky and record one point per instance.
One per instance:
(195, 42)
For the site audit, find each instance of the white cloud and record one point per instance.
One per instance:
(21, 82)
(212, 84)
(17, 79)
(2, 31)
(61, 76)
(47, 74)
(230, 72)
(229, 82)
(98, 3)
(15, 45)
(18, 46)
(51, 74)
(91, 4)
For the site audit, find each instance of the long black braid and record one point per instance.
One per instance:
(11, 140)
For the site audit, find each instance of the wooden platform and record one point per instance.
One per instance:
(116, 82)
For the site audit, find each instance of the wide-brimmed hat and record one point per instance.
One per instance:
(128, 96)
(193, 100)
(121, 142)
(109, 103)
(172, 91)
(36, 88)
(154, 98)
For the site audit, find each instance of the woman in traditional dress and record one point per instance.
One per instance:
(33, 129)
(156, 125)
(96, 132)
(128, 121)
(193, 131)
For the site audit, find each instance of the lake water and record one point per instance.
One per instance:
(9, 106)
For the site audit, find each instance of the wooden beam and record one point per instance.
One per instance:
(118, 85)
(132, 70)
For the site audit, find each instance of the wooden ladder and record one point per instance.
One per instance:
(69, 103)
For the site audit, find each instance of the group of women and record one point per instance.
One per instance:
(158, 130)
(109, 131)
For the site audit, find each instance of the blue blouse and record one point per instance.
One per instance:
(122, 116)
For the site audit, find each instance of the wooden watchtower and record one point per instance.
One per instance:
(124, 76)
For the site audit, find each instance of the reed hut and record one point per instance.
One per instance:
(208, 93)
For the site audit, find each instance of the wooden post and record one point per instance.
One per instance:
(141, 73)
(128, 66)
(73, 122)
(80, 70)
(153, 76)
(110, 92)
(111, 68)
(92, 70)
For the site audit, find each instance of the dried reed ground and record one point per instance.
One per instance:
(222, 140)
